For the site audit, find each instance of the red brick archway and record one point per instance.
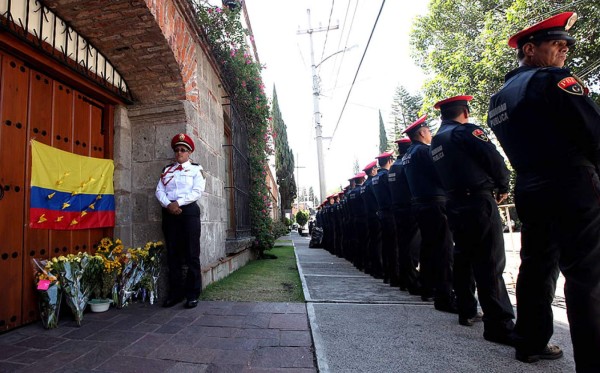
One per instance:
(148, 42)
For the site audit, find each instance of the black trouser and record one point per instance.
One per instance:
(373, 249)
(360, 224)
(409, 242)
(389, 248)
(182, 237)
(479, 257)
(436, 250)
(350, 237)
(561, 228)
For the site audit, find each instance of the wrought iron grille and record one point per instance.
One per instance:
(37, 25)
(240, 189)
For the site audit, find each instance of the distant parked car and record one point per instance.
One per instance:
(295, 226)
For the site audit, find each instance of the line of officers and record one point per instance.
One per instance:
(428, 222)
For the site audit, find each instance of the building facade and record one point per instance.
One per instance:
(114, 79)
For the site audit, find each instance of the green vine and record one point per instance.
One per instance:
(241, 74)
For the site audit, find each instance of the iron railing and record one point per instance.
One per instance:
(241, 175)
(37, 25)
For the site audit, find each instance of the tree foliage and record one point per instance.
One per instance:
(226, 38)
(302, 217)
(463, 44)
(284, 158)
(405, 110)
(383, 141)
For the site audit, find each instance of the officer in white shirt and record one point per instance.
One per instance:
(181, 184)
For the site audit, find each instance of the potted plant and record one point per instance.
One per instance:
(301, 219)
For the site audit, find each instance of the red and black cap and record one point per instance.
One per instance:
(359, 175)
(553, 28)
(453, 101)
(416, 125)
(403, 140)
(370, 166)
(385, 155)
(183, 139)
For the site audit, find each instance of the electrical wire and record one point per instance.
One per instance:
(356, 74)
(345, 46)
(327, 32)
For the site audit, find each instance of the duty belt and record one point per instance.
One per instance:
(429, 199)
(469, 192)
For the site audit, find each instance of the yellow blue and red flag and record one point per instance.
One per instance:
(70, 191)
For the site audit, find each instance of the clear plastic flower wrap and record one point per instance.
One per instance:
(49, 293)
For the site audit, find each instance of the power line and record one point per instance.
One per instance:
(327, 33)
(356, 75)
(345, 45)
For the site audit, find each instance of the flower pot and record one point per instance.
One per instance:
(99, 305)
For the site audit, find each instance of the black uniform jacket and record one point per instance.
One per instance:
(466, 160)
(546, 124)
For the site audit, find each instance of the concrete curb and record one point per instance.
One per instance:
(312, 320)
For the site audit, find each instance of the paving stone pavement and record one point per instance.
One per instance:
(214, 337)
(360, 324)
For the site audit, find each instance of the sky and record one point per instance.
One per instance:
(387, 64)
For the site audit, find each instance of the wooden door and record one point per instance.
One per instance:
(36, 106)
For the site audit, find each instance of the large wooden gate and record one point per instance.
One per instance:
(36, 106)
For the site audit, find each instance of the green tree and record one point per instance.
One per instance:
(302, 218)
(284, 158)
(355, 167)
(473, 58)
(383, 142)
(405, 110)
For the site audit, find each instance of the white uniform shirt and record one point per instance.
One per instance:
(182, 183)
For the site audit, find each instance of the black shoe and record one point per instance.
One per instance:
(170, 302)
(504, 339)
(469, 321)
(550, 352)
(446, 306)
(414, 291)
(191, 303)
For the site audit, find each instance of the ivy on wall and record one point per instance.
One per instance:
(241, 74)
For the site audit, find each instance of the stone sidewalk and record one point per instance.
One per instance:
(214, 337)
(359, 324)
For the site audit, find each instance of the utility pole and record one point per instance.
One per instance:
(317, 113)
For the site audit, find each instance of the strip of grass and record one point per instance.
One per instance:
(265, 280)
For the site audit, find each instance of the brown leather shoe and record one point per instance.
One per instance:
(550, 352)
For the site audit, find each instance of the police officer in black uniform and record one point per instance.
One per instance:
(359, 221)
(408, 236)
(471, 171)
(373, 249)
(550, 130)
(349, 233)
(429, 207)
(389, 247)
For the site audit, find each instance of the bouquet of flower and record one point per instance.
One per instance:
(130, 277)
(49, 292)
(149, 262)
(111, 253)
(78, 274)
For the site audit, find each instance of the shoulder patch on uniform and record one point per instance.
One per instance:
(480, 135)
(571, 85)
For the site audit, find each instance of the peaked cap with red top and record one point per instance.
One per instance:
(183, 139)
(453, 101)
(553, 28)
(403, 140)
(416, 125)
(370, 166)
(385, 155)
